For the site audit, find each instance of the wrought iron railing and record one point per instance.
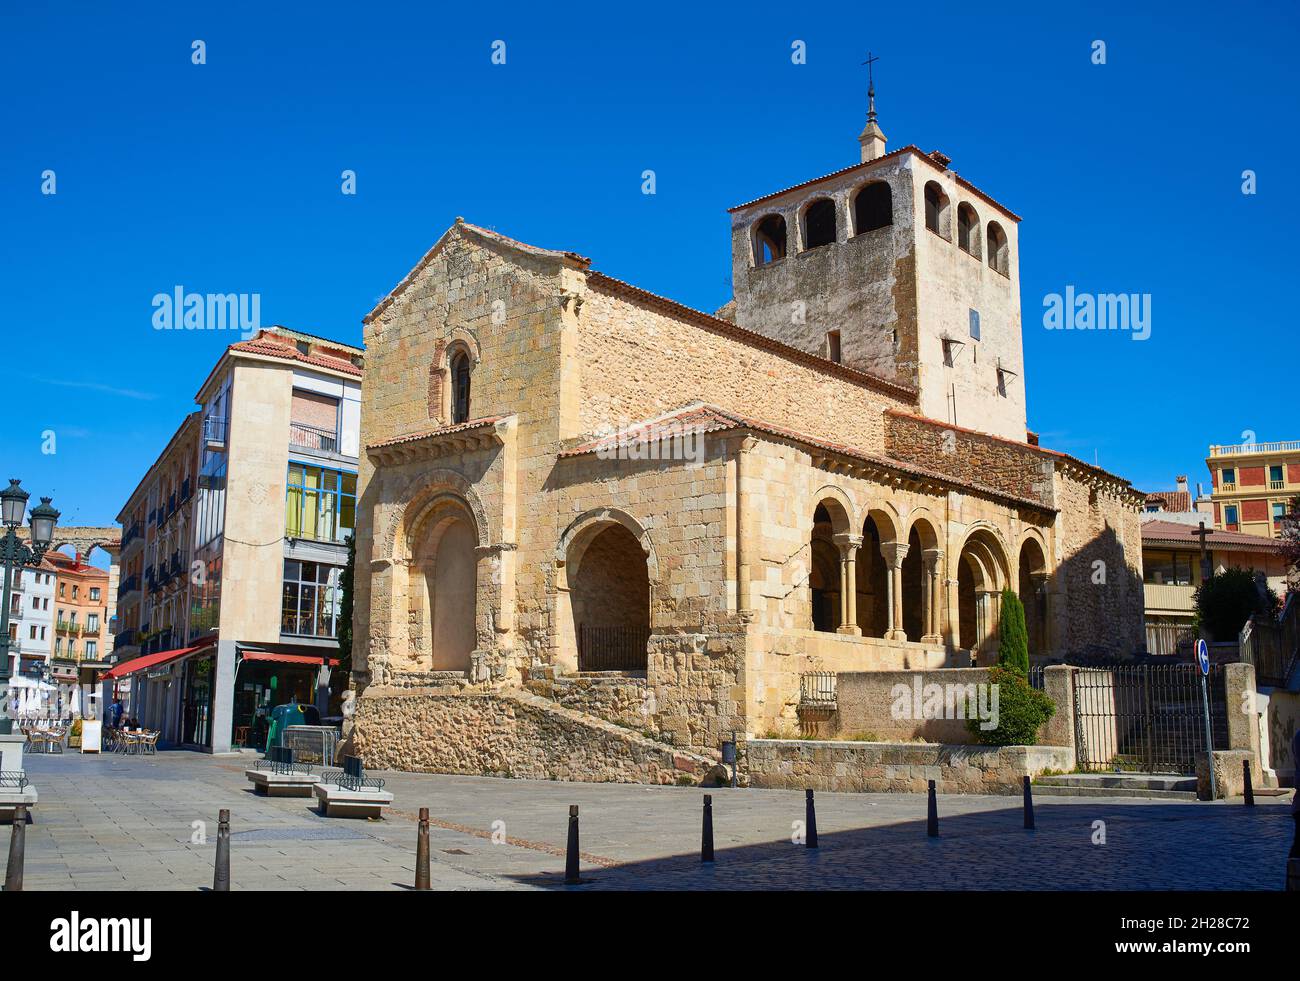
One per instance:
(1170, 639)
(620, 648)
(313, 437)
(818, 689)
(214, 431)
(352, 776)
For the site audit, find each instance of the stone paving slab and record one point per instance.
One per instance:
(129, 823)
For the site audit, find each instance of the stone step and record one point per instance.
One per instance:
(1047, 790)
(1121, 781)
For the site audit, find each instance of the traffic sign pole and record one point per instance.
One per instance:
(1203, 662)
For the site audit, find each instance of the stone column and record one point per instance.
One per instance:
(849, 545)
(931, 595)
(894, 553)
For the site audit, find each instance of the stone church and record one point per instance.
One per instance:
(600, 532)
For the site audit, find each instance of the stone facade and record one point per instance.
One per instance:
(709, 510)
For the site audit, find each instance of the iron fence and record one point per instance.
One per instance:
(1145, 717)
(1170, 639)
(817, 689)
(612, 648)
(1273, 647)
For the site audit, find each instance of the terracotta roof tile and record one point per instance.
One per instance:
(1173, 533)
(441, 431)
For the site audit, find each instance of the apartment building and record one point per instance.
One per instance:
(1252, 483)
(247, 614)
(82, 642)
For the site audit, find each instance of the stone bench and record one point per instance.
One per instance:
(280, 776)
(350, 793)
(15, 790)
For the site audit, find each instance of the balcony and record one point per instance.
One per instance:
(1277, 485)
(1168, 598)
(131, 536)
(124, 638)
(129, 585)
(307, 437)
(16, 612)
(1246, 449)
(214, 432)
(1228, 488)
(68, 627)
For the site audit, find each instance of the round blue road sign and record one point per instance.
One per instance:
(1203, 655)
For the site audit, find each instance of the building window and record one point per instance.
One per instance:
(1167, 568)
(936, 210)
(75, 590)
(1279, 512)
(1276, 480)
(975, 325)
(1228, 477)
(92, 648)
(999, 251)
(312, 599)
(833, 345)
(460, 388)
(92, 623)
(769, 240)
(968, 229)
(873, 207)
(314, 422)
(1230, 517)
(94, 594)
(63, 589)
(32, 633)
(321, 504)
(58, 645)
(819, 224)
(36, 602)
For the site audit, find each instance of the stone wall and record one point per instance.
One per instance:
(509, 734)
(897, 767)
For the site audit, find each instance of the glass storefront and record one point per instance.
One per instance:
(259, 687)
(196, 706)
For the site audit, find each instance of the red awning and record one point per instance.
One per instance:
(147, 661)
(288, 658)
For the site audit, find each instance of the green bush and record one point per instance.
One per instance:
(1013, 635)
(1022, 710)
(1225, 601)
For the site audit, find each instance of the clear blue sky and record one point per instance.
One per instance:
(225, 177)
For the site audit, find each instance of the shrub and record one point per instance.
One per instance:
(1013, 635)
(1022, 710)
(1225, 601)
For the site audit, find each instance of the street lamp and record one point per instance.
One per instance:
(16, 554)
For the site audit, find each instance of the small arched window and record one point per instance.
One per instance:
(968, 229)
(819, 224)
(999, 252)
(769, 240)
(936, 210)
(873, 208)
(460, 371)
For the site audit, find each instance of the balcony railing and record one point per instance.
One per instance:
(313, 437)
(1276, 484)
(214, 431)
(1228, 488)
(1243, 449)
(131, 535)
(1170, 598)
(128, 585)
(124, 638)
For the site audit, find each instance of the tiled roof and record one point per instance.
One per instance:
(1171, 500)
(868, 164)
(289, 353)
(704, 418)
(1172, 533)
(460, 427)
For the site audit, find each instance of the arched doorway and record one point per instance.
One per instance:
(443, 587)
(873, 583)
(1032, 589)
(981, 574)
(609, 595)
(824, 573)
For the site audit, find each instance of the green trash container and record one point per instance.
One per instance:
(283, 716)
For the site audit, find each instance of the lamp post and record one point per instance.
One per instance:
(16, 554)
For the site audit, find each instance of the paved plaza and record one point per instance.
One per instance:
(142, 823)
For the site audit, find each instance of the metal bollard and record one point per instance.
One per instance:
(571, 853)
(221, 874)
(706, 836)
(932, 814)
(422, 851)
(810, 821)
(17, 850)
(1029, 806)
(1247, 788)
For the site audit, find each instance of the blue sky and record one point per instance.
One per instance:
(225, 177)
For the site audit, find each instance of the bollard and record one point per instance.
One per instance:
(932, 815)
(810, 822)
(221, 874)
(571, 853)
(17, 850)
(422, 851)
(1029, 806)
(706, 836)
(1247, 789)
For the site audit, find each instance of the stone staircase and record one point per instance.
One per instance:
(1150, 785)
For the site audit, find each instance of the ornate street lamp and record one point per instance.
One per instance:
(15, 554)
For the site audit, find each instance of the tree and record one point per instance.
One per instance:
(1225, 601)
(1021, 711)
(340, 676)
(1013, 635)
(1290, 543)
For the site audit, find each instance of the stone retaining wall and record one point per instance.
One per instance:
(898, 767)
(513, 734)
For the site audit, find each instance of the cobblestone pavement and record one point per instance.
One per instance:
(108, 822)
